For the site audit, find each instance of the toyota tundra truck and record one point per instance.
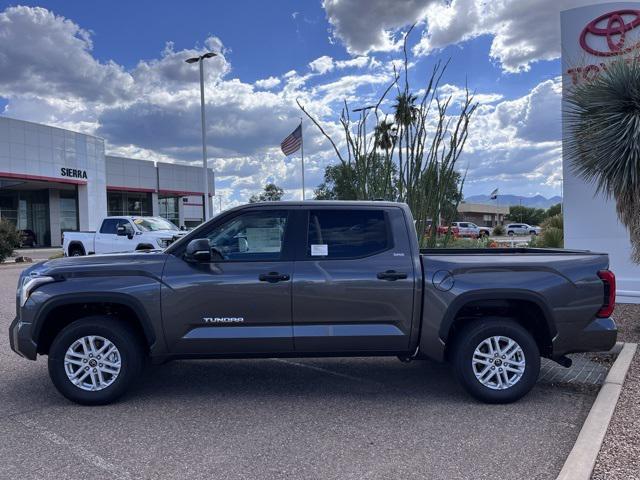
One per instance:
(314, 278)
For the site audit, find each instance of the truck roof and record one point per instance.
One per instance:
(338, 203)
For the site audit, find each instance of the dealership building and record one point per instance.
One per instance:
(53, 180)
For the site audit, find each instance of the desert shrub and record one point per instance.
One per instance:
(499, 231)
(552, 235)
(9, 239)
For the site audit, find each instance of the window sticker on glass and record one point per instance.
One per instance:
(319, 250)
(264, 239)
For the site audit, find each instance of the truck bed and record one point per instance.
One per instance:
(505, 251)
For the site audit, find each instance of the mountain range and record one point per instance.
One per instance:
(537, 201)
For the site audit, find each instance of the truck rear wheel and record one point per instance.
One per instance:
(76, 251)
(496, 360)
(94, 360)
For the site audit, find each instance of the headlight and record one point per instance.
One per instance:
(29, 284)
(164, 242)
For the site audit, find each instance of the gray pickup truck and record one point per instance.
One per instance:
(291, 279)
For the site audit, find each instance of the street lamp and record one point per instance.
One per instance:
(200, 59)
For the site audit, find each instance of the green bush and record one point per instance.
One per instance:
(552, 235)
(499, 231)
(9, 239)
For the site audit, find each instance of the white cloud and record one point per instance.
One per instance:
(268, 83)
(345, 87)
(357, 62)
(523, 31)
(536, 116)
(322, 64)
(516, 144)
(372, 25)
(49, 53)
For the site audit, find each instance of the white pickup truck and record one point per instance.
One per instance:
(122, 234)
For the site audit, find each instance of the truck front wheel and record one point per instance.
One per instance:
(94, 360)
(496, 360)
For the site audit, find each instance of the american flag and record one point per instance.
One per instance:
(293, 142)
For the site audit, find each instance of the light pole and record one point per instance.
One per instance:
(200, 60)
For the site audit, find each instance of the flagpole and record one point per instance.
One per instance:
(302, 157)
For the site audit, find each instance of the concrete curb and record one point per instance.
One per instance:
(582, 458)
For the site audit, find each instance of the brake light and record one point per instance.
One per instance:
(609, 281)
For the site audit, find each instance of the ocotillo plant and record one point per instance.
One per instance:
(412, 159)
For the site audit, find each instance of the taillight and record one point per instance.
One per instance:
(609, 281)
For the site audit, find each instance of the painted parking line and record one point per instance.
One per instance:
(328, 372)
(75, 449)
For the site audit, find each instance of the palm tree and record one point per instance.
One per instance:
(405, 114)
(385, 135)
(385, 138)
(604, 139)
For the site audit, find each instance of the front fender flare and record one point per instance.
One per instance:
(95, 297)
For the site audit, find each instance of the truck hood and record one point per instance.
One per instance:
(151, 261)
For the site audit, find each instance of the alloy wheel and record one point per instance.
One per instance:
(498, 362)
(92, 363)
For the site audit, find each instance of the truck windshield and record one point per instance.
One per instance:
(153, 224)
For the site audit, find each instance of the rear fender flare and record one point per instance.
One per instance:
(498, 295)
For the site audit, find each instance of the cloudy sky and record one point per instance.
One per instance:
(116, 69)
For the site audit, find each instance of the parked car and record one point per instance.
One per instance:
(469, 229)
(122, 234)
(27, 238)
(443, 230)
(522, 229)
(283, 279)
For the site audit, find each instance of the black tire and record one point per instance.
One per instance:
(510, 233)
(533, 232)
(470, 337)
(76, 251)
(118, 333)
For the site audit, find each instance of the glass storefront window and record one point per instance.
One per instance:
(169, 209)
(129, 203)
(27, 210)
(68, 211)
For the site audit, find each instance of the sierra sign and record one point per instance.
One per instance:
(73, 173)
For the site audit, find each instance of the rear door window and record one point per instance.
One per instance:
(347, 233)
(109, 226)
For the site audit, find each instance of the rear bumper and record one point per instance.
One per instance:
(599, 335)
(20, 339)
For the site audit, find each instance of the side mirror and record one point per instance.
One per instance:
(124, 231)
(198, 250)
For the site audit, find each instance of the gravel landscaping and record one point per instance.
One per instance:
(619, 457)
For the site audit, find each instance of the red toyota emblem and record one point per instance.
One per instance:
(615, 32)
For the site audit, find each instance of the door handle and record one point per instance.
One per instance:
(391, 275)
(273, 277)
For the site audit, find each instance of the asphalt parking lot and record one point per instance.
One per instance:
(298, 418)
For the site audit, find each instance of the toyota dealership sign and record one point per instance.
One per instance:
(590, 43)
(592, 37)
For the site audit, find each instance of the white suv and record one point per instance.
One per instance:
(468, 229)
(522, 229)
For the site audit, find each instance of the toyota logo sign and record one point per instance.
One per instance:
(614, 30)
